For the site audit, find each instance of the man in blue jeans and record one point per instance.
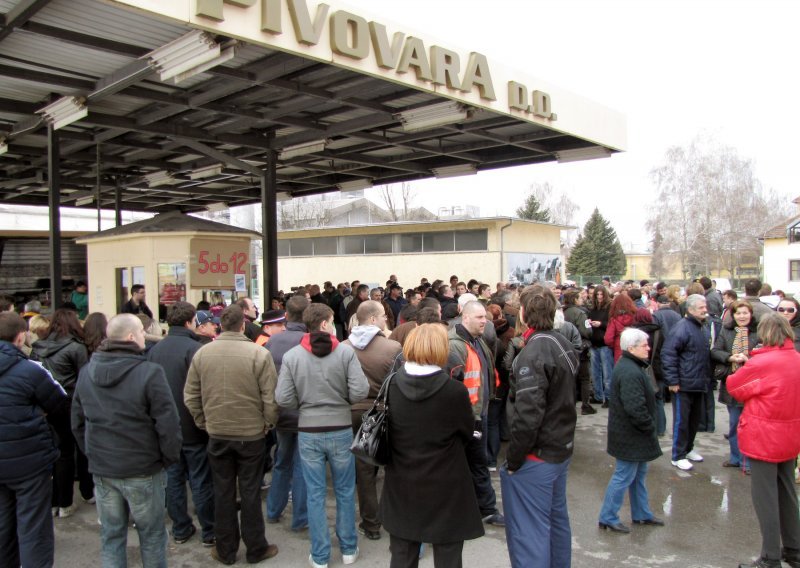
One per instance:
(174, 353)
(542, 422)
(323, 378)
(125, 421)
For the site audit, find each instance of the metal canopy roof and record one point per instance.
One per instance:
(262, 100)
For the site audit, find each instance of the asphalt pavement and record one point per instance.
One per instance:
(709, 518)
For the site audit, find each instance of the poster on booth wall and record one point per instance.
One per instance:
(527, 268)
(214, 262)
(240, 282)
(171, 283)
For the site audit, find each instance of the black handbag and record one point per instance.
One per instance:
(371, 442)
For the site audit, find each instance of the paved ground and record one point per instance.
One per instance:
(710, 520)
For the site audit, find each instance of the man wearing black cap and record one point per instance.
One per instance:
(273, 322)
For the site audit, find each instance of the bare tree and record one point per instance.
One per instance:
(398, 201)
(300, 214)
(710, 208)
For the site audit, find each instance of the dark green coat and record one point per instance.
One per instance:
(632, 412)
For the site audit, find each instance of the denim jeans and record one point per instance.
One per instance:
(194, 466)
(26, 524)
(628, 476)
(602, 367)
(287, 475)
(537, 520)
(734, 413)
(144, 497)
(317, 450)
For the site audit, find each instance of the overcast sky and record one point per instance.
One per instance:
(674, 68)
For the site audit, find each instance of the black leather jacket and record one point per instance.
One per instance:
(542, 400)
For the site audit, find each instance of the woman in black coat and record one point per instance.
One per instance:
(63, 353)
(632, 436)
(732, 348)
(427, 493)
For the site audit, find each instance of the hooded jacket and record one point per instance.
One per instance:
(322, 378)
(616, 325)
(376, 354)
(427, 493)
(123, 415)
(769, 386)
(27, 393)
(63, 357)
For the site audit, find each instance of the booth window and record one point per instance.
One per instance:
(794, 234)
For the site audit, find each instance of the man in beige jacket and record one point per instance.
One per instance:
(230, 393)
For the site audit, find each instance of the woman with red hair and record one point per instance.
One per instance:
(620, 316)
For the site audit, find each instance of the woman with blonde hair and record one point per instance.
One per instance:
(427, 493)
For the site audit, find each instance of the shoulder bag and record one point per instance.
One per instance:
(371, 442)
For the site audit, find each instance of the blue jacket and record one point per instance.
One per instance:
(27, 392)
(686, 356)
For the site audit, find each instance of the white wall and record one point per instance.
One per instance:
(777, 254)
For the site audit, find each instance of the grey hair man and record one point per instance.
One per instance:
(687, 372)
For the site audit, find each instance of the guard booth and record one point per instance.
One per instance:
(176, 257)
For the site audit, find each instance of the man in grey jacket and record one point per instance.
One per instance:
(323, 378)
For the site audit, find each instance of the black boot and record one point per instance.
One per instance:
(792, 557)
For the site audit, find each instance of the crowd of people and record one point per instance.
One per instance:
(137, 415)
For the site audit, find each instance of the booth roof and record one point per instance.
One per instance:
(172, 222)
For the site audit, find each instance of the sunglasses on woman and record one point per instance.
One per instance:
(787, 310)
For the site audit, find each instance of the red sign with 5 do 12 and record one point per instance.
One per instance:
(213, 263)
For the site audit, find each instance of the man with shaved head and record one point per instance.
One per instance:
(126, 422)
(472, 362)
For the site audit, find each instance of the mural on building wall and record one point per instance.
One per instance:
(527, 268)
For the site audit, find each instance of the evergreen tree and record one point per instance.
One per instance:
(657, 268)
(532, 210)
(597, 251)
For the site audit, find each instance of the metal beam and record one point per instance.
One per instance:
(54, 201)
(20, 14)
(221, 156)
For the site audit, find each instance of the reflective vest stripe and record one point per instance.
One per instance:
(472, 375)
(261, 340)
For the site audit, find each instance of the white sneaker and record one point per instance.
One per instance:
(694, 456)
(65, 512)
(314, 564)
(683, 464)
(350, 558)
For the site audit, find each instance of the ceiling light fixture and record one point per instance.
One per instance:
(354, 185)
(3, 146)
(455, 171)
(302, 149)
(188, 55)
(579, 154)
(216, 207)
(84, 201)
(439, 114)
(159, 178)
(207, 171)
(64, 111)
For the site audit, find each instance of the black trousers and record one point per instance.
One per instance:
(405, 553)
(584, 379)
(241, 462)
(775, 502)
(366, 486)
(687, 409)
(479, 468)
(64, 468)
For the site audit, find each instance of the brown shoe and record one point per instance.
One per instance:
(272, 550)
(215, 555)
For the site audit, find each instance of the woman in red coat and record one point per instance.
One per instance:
(620, 316)
(769, 434)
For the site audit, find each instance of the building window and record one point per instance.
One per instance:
(378, 244)
(302, 247)
(471, 240)
(324, 246)
(411, 242)
(794, 234)
(437, 242)
(352, 245)
(794, 270)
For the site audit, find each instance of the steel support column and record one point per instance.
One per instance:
(54, 201)
(117, 203)
(269, 228)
